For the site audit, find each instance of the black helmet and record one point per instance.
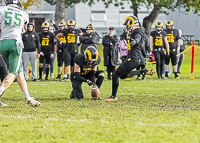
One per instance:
(91, 54)
(14, 3)
(130, 21)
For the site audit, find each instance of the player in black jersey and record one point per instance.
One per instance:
(60, 48)
(158, 39)
(174, 45)
(135, 42)
(47, 48)
(71, 47)
(85, 70)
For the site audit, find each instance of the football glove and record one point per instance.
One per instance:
(90, 83)
(133, 42)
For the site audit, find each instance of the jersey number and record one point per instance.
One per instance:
(158, 41)
(63, 39)
(9, 20)
(71, 38)
(45, 42)
(170, 38)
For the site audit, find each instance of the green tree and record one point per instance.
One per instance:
(26, 4)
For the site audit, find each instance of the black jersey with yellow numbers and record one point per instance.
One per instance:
(71, 38)
(158, 39)
(85, 66)
(47, 42)
(172, 37)
(63, 39)
(134, 51)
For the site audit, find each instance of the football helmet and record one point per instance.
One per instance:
(62, 23)
(169, 23)
(45, 25)
(91, 54)
(130, 21)
(14, 3)
(159, 24)
(71, 22)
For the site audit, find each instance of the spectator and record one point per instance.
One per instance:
(31, 42)
(90, 38)
(110, 51)
(180, 58)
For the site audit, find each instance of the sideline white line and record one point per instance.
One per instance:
(160, 124)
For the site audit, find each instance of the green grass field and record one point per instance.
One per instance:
(151, 111)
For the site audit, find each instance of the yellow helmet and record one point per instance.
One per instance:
(62, 23)
(159, 24)
(130, 21)
(45, 24)
(71, 22)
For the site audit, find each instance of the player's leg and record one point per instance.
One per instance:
(174, 64)
(181, 58)
(22, 83)
(47, 58)
(162, 60)
(34, 65)
(167, 58)
(26, 59)
(158, 63)
(126, 67)
(67, 59)
(60, 63)
(41, 60)
(73, 55)
(76, 92)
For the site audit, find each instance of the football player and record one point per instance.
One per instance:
(71, 47)
(47, 49)
(158, 39)
(135, 42)
(12, 21)
(85, 70)
(174, 45)
(60, 49)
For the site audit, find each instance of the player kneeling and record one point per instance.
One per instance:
(85, 70)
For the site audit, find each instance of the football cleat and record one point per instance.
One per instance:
(33, 103)
(64, 79)
(3, 104)
(111, 98)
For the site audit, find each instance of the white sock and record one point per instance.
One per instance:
(26, 94)
(65, 76)
(2, 89)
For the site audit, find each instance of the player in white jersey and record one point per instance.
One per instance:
(12, 21)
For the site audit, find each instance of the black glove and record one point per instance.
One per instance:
(62, 44)
(90, 83)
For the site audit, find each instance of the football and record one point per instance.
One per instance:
(95, 92)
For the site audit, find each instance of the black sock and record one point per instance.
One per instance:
(115, 84)
(59, 75)
(47, 72)
(99, 81)
(166, 74)
(68, 76)
(175, 73)
(40, 72)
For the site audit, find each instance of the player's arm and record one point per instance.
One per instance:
(178, 44)
(167, 45)
(151, 43)
(52, 46)
(58, 36)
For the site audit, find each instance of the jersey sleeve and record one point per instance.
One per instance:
(152, 33)
(26, 17)
(164, 34)
(78, 59)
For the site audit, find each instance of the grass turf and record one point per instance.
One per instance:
(147, 111)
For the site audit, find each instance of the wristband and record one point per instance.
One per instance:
(61, 42)
(168, 50)
(178, 48)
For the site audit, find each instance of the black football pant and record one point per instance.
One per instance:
(3, 69)
(77, 85)
(110, 68)
(141, 67)
(160, 61)
(122, 71)
(172, 56)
